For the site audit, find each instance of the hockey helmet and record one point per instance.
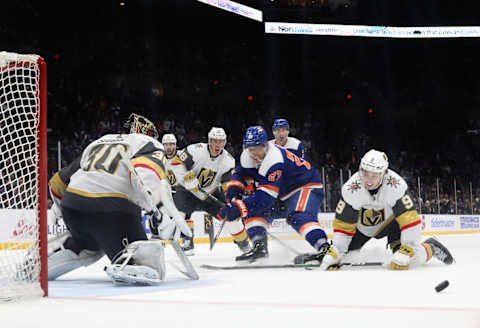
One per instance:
(217, 133)
(169, 138)
(255, 136)
(140, 124)
(280, 123)
(374, 161)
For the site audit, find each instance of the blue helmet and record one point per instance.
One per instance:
(255, 136)
(280, 123)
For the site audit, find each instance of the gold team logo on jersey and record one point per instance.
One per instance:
(206, 177)
(371, 217)
(171, 177)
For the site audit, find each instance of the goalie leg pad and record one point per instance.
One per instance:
(65, 260)
(56, 243)
(141, 263)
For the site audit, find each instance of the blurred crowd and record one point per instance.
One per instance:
(221, 70)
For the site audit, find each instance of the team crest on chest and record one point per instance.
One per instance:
(371, 217)
(354, 186)
(392, 182)
(206, 177)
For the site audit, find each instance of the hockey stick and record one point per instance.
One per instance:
(281, 242)
(212, 243)
(285, 266)
(208, 227)
(210, 231)
(220, 203)
(170, 206)
(223, 223)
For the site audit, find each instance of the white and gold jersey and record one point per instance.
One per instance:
(210, 172)
(103, 172)
(370, 212)
(175, 168)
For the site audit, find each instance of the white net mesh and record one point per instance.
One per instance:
(19, 186)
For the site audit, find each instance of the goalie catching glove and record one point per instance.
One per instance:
(163, 227)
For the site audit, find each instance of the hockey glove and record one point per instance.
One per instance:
(401, 258)
(332, 258)
(190, 181)
(162, 227)
(233, 211)
(233, 191)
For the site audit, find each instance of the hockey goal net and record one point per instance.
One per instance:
(23, 177)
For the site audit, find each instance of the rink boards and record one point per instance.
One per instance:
(17, 230)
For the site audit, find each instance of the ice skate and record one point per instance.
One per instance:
(312, 258)
(440, 252)
(243, 245)
(259, 251)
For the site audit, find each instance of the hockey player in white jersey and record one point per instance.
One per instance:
(169, 142)
(207, 166)
(102, 204)
(281, 130)
(375, 203)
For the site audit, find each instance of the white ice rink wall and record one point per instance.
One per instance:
(15, 226)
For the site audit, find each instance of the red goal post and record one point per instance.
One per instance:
(23, 176)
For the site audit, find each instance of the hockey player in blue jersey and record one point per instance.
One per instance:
(277, 174)
(281, 130)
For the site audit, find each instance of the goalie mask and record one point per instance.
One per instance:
(373, 166)
(140, 124)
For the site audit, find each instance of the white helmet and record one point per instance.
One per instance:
(217, 133)
(374, 161)
(169, 138)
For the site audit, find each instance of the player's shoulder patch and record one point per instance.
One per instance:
(394, 184)
(352, 186)
(392, 181)
(352, 190)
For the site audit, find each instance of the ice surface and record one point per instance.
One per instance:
(352, 297)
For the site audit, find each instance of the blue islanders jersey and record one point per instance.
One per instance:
(293, 144)
(280, 175)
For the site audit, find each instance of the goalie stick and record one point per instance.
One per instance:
(284, 266)
(170, 206)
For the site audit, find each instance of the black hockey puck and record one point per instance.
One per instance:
(441, 286)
